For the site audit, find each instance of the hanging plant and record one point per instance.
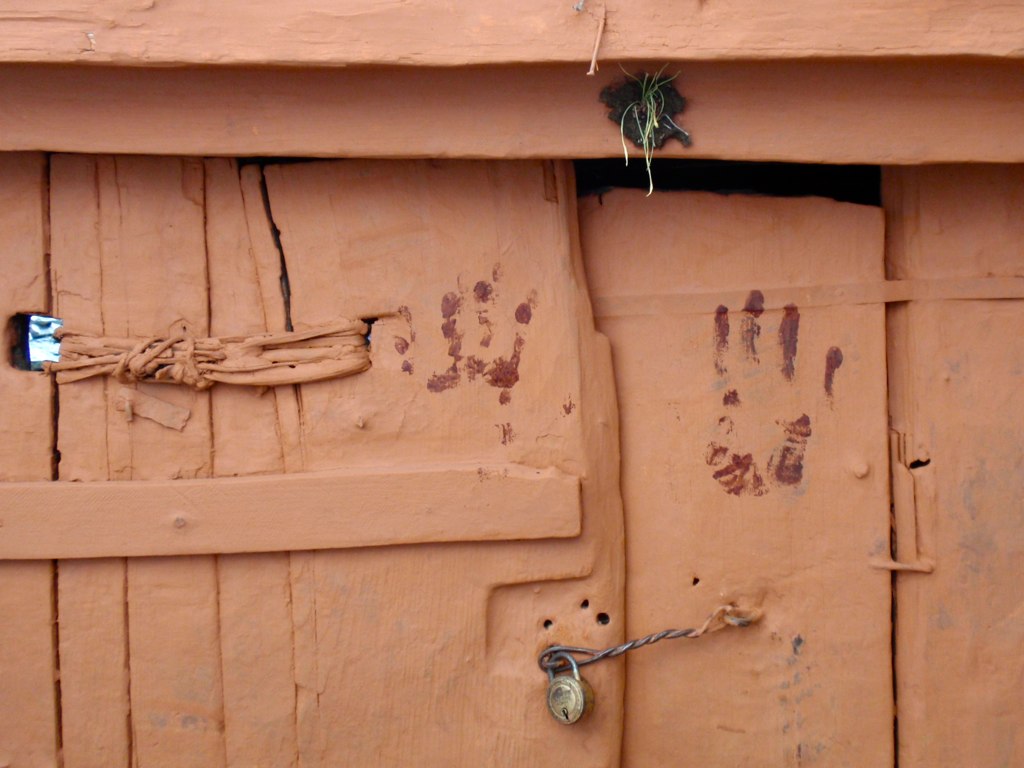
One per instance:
(644, 106)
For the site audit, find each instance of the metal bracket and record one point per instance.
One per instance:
(907, 489)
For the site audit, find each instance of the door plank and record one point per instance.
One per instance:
(154, 280)
(306, 659)
(28, 702)
(254, 591)
(95, 711)
(26, 434)
(301, 565)
(957, 399)
(256, 649)
(245, 438)
(745, 480)
(28, 655)
(271, 278)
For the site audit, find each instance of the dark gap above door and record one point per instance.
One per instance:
(845, 183)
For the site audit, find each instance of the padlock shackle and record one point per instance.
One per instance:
(568, 657)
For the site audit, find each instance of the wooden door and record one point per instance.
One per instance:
(358, 571)
(955, 381)
(755, 470)
(363, 570)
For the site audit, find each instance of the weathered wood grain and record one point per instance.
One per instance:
(273, 513)
(155, 280)
(430, 32)
(750, 474)
(956, 371)
(456, 260)
(28, 654)
(878, 112)
(92, 598)
(254, 590)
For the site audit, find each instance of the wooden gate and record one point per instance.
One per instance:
(767, 458)
(398, 611)
(362, 571)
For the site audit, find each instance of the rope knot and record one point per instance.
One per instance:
(327, 351)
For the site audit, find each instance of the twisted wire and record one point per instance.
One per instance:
(551, 659)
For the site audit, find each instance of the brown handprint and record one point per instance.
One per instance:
(500, 372)
(734, 465)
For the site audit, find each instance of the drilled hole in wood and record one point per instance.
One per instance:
(603, 618)
(548, 623)
(30, 337)
(585, 604)
(696, 580)
(917, 464)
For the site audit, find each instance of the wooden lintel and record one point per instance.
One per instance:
(269, 513)
(877, 112)
(459, 32)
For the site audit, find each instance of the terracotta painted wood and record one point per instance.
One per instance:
(270, 269)
(150, 267)
(269, 708)
(28, 675)
(826, 295)
(157, 279)
(955, 383)
(429, 32)
(92, 596)
(754, 470)
(26, 436)
(244, 438)
(438, 251)
(883, 112)
(337, 510)
(237, 660)
(302, 590)
(254, 592)
(28, 713)
(267, 705)
(256, 659)
(94, 705)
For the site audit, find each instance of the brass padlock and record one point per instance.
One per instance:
(570, 697)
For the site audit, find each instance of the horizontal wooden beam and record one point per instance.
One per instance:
(459, 32)
(805, 296)
(874, 112)
(286, 512)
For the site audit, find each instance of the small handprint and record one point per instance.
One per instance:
(501, 372)
(734, 463)
(402, 343)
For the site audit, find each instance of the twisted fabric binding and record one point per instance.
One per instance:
(297, 357)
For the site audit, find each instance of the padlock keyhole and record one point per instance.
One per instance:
(565, 713)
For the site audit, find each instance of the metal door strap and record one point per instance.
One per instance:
(553, 658)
